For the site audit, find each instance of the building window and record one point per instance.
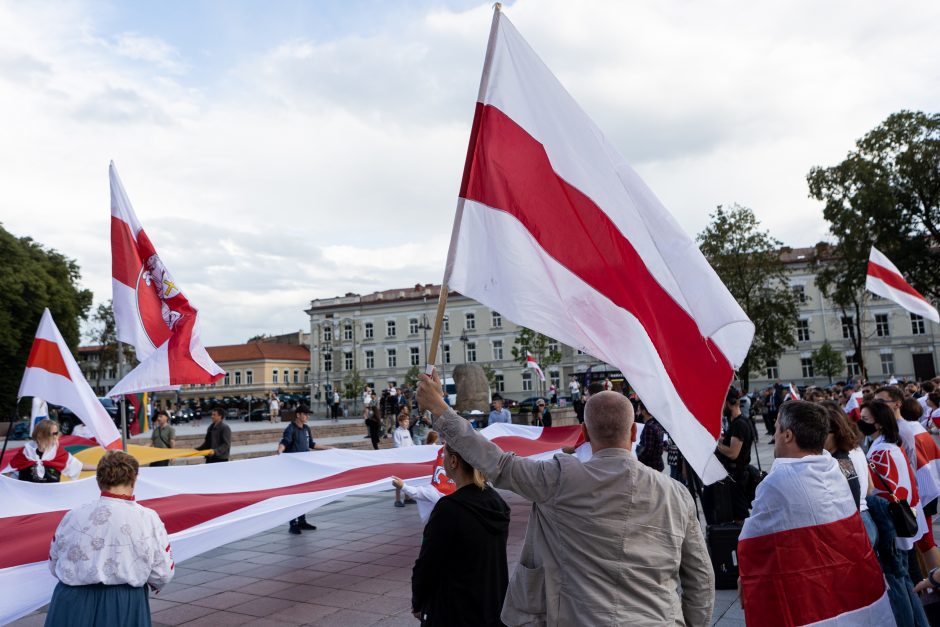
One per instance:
(306, 375)
(296, 376)
(917, 325)
(852, 366)
(802, 330)
(274, 373)
(327, 363)
(554, 378)
(800, 292)
(413, 326)
(414, 356)
(370, 330)
(772, 371)
(471, 322)
(446, 324)
(392, 358)
(881, 325)
(887, 363)
(497, 320)
(848, 323)
(446, 353)
(390, 328)
(553, 346)
(500, 383)
(526, 381)
(238, 377)
(227, 380)
(110, 373)
(806, 363)
(347, 361)
(471, 352)
(498, 350)
(327, 334)
(347, 331)
(370, 360)
(249, 377)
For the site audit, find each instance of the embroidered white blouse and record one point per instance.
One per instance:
(111, 541)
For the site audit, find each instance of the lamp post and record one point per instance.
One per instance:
(424, 326)
(464, 339)
(326, 349)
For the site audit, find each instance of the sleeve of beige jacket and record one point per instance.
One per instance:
(535, 480)
(695, 574)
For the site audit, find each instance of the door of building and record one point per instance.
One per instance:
(923, 366)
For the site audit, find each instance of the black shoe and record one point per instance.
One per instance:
(307, 526)
(294, 529)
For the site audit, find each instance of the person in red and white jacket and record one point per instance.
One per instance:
(42, 460)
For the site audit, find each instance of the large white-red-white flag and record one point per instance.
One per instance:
(53, 375)
(531, 363)
(802, 542)
(885, 280)
(150, 311)
(550, 212)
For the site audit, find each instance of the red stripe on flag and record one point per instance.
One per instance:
(801, 576)
(926, 449)
(511, 172)
(893, 280)
(46, 355)
(125, 260)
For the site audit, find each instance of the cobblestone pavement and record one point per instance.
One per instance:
(354, 570)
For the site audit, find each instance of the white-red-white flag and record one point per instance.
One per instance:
(53, 375)
(550, 212)
(885, 280)
(794, 393)
(803, 540)
(854, 406)
(531, 363)
(150, 311)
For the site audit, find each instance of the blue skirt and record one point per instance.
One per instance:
(99, 605)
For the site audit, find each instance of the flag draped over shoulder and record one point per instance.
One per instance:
(804, 555)
(150, 311)
(53, 375)
(549, 212)
(206, 506)
(885, 280)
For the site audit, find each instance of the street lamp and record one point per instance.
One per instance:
(464, 339)
(424, 326)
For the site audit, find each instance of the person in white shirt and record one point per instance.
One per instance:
(402, 438)
(107, 553)
(274, 406)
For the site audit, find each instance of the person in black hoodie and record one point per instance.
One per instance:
(461, 575)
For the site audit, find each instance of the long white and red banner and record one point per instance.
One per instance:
(885, 280)
(53, 375)
(549, 212)
(206, 506)
(150, 310)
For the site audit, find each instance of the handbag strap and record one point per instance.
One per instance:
(883, 481)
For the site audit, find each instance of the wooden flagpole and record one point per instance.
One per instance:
(436, 333)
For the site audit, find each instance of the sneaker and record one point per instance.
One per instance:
(307, 526)
(399, 504)
(294, 529)
(410, 501)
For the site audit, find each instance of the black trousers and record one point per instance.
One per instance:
(770, 421)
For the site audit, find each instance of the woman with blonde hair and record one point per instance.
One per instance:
(42, 460)
(107, 553)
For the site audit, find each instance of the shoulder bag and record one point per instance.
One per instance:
(903, 517)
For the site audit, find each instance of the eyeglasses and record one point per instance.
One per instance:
(54, 433)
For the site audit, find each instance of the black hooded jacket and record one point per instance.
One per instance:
(460, 576)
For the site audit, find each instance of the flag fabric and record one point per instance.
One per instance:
(548, 211)
(794, 393)
(891, 463)
(208, 505)
(927, 463)
(137, 422)
(802, 542)
(854, 406)
(885, 280)
(531, 363)
(53, 375)
(39, 411)
(150, 311)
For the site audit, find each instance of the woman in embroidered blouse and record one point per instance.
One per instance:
(42, 460)
(106, 554)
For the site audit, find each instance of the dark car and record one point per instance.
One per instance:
(529, 403)
(68, 420)
(508, 403)
(257, 415)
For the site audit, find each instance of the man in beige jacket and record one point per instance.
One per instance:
(609, 541)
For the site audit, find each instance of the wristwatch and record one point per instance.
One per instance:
(931, 580)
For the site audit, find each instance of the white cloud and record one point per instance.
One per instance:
(319, 167)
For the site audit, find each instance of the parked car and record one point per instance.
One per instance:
(68, 420)
(182, 415)
(529, 403)
(232, 413)
(257, 415)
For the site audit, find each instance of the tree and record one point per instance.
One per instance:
(103, 333)
(827, 361)
(748, 262)
(542, 347)
(353, 384)
(490, 373)
(411, 377)
(33, 277)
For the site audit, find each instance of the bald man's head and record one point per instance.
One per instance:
(608, 417)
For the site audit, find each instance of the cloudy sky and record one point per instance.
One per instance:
(279, 152)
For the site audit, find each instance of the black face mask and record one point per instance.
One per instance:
(866, 428)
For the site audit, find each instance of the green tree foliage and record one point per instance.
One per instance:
(353, 384)
(33, 277)
(490, 373)
(827, 361)
(541, 347)
(747, 260)
(103, 332)
(411, 377)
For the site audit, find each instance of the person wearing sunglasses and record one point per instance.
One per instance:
(42, 460)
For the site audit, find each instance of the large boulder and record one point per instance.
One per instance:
(473, 390)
